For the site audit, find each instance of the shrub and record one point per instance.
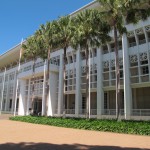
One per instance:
(128, 127)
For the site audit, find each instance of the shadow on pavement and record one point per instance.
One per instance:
(47, 146)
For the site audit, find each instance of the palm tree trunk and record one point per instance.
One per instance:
(117, 74)
(64, 77)
(33, 81)
(47, 79)
(87, 83)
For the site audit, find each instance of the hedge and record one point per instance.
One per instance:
(128, 127)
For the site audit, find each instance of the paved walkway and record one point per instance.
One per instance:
(24, 136)
(5, 116)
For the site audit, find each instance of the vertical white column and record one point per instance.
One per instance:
(52, 93)
(21, 110)
(60, 86)
(7, 94)
(78, 95)
(89, 84)
(43, 96)
(28, 99)
(127, 86)
(3, 90)
(14, 91)
(100, 91)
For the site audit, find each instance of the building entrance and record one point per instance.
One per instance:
(37, 106)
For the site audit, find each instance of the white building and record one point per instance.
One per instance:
(134, 58)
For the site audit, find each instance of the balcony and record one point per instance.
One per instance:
(26, 69)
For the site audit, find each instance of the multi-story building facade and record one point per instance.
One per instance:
(134, 61)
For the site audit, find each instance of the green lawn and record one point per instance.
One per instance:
(129, 127)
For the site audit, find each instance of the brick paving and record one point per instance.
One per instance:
(25, 136)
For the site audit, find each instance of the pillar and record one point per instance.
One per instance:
(14, 91)
(21, 110)
(3, 85)
(127, 86)
(7, 94)
(78, 95)
(52, 94)
(100, 91)
(43, 96)
(60, 86)
(28, 99)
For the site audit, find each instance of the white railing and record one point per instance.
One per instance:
(93, 111)
(107, 112)
(7, 112)
(112, 112)
(142, 41)
(82, 111)
(141, 112)
(70, 111)
(132, 44)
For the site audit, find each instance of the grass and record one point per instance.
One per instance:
(128, 127)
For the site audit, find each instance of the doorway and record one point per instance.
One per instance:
(37, 106)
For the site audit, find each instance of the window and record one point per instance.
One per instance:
(95, 71)
(65, 101)
(105, 49)
(94, 52)
(58, 61)
(120, 45)
(83, 103)
(66, 82)
(6, 78)
(105, 101)
(145, 70)
(1, 79)
(83, 55)
(71, 59)
(10, 104)
(113, 75)
(144, 62)
(148, 33)
(95, 76)
(142, 39)
(112, 47)
(131, 41)
(74, 57)
(121, 73)
(11, 76)
(122, 100)
(66, 61)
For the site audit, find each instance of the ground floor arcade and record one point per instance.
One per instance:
(27, 104)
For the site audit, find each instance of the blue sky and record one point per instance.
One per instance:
(20, 18)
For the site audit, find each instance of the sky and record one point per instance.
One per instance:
(21, 18)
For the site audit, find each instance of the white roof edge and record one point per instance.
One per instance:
(85, 6)
(11, 49)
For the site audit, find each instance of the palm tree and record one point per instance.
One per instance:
(65, 32)
(117, 12)
(32, 51)
(91, 31)
(46, 34)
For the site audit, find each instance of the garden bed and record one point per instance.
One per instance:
(128, 127)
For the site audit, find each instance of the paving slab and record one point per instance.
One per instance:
(5, 116)
(25, 136)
